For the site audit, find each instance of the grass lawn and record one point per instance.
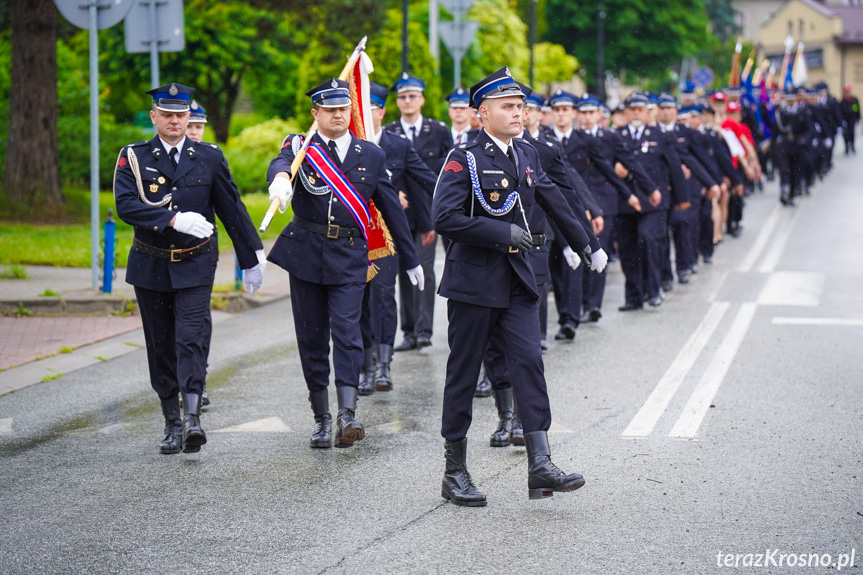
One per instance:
(68, 244)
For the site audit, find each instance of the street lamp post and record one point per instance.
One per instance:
(600, 52)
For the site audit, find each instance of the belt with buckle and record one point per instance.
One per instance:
(539, 239)
(171, 255)
(332, 231)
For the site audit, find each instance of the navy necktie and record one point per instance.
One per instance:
(173, 155)
(334, 153)
(511, 154)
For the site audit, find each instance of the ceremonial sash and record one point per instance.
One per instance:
(340, 186)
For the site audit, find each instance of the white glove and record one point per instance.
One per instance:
(283, 189)
(194, 224)
(417, 277)
(571, 258)
(828, 142)
(254, 277)
(598, 260)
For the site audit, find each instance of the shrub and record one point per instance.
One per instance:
(250, 153)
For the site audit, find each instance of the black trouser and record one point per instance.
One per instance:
(378, 320)
(319, 312)
(567, 285)
(177, 327)
(417, 307)
(639, 239)
(469, 332)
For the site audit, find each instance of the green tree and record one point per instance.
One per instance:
(224, 42)
(552, 64)
(644, 38)
(721, 14)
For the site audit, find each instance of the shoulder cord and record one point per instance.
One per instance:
(507, 206)
(136, 171)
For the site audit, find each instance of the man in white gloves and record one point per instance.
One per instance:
(170, 189)
(326, 252)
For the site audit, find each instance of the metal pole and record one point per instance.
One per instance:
(405, 65)
(457, 71)
(600, 52)
(532, 36)
(94, 144)
(154, 45)
(434, 41)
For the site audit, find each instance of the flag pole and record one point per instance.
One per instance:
(298, 159)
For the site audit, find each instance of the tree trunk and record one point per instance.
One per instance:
(32, 174)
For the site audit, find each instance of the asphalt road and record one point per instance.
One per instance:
(724, 425)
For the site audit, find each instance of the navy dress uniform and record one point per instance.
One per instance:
(409, 174)
(481, 203)
(172, 266)
(640, 235)
(326, 255)
(432, 141)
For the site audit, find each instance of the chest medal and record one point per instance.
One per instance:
(494, 196)
(154, 188)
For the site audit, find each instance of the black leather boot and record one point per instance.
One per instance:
(323, 435)
(367, 374)
(383, 378)
(517, 435)
(173, 441)
(543, 476)
(193, 436)
(483, 388)
(205, 399)
(457, 485)
(348, 429)
(503, 402)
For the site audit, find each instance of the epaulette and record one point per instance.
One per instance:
(549, 144)
(402, 136)
(466, 145)
(136, 144)
(443, 125)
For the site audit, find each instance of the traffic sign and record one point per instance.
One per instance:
(77, 12)
(457, 7)
(170, 31)
(703, 76)
(457, 36)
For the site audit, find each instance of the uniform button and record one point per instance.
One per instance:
(332, 218)
(172, 246)
(335, 200)
(155, 228)
(174, 189)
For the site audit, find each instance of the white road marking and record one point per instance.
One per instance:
(115, 428)
(558, 428)
(792, 289)
(820, 321)
(696, 408)
(777, 246)
(761, 240)
(645, 420)
(6, 426)
(266, 425)
(715, 293)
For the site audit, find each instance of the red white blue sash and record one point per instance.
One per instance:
(340, 186)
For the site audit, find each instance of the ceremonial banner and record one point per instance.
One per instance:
(379, 237)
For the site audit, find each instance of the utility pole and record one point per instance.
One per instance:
(532, 36)
(405, 65)
(600, 51)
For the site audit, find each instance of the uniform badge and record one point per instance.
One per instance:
(173, 91)
(161, 180)
(494, 196)
(121, 163)
(194, 105)
(508, 73)
(311, 179)
(647, 132)
(154, 188)
(452, 165)
(644, 147)
(334, 84)
(505, 183)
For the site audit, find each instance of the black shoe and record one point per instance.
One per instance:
(735, 231)
(630, 306)
(655, 301)
(322, 435)
(348, 429)
(367, 372)
(708, 260)
(423, 341)
(503, 402)
(566, 333)
(457, 485)
(594, 315)
(516, 437)
(193, 436)
(667, 286)
(173, 441)
(407, 344)
(683, 276)
(205, 399)
(543, 345)
(383, 378)
(543, 476)
(483, 388)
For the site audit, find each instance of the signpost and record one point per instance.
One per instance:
(159, 27)
(94, 15)
(703, 77)
(458, 34)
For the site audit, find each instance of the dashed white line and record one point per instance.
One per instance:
(820, 321)
(645, 420)
(761, 240)
(696, 408)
